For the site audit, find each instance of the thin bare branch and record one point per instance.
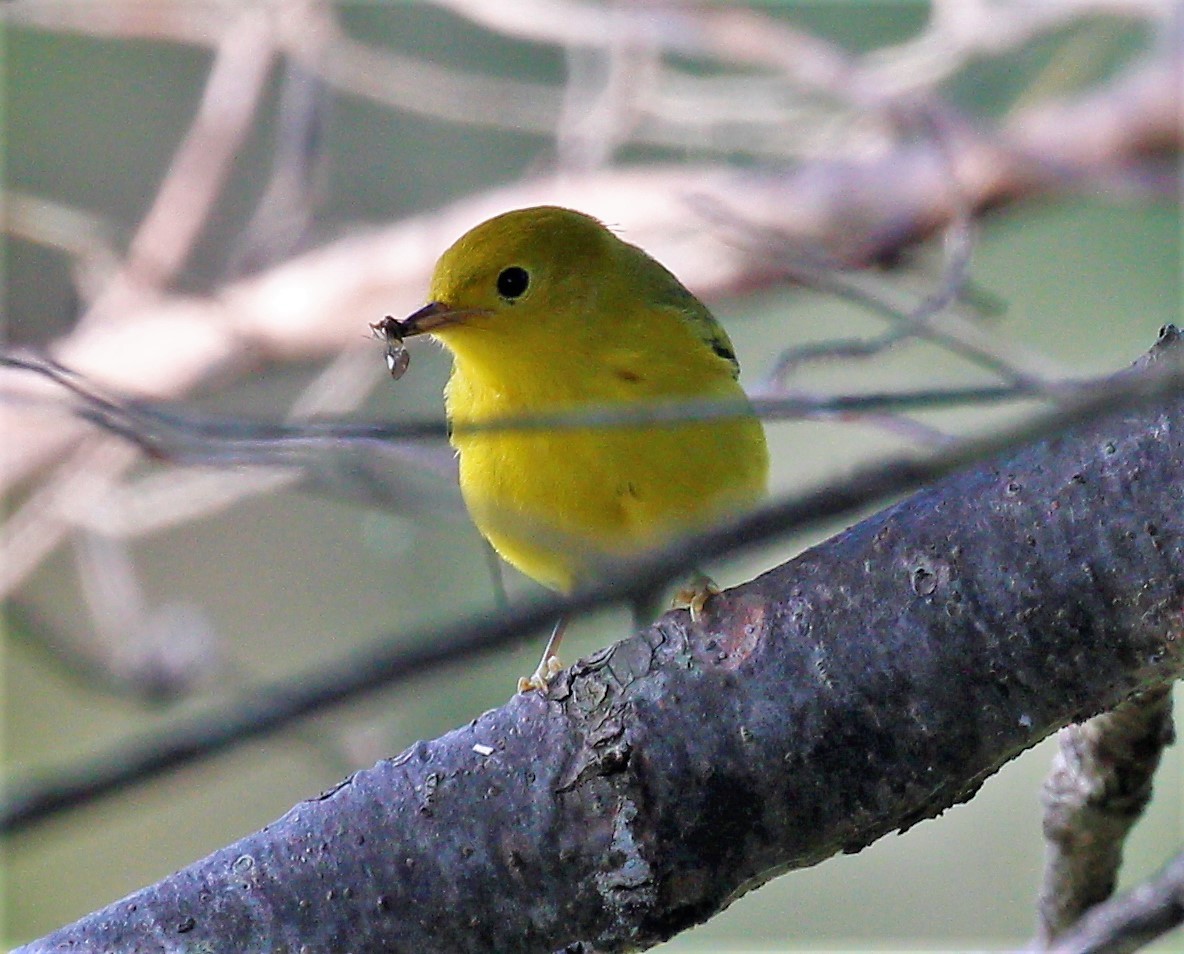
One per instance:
(53, 509)
(1099, 785)
(85, 237)
(242, 61)
(1132, 921)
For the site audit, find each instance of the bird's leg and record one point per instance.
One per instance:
(549, 665)
(494, 563)
(694, 594)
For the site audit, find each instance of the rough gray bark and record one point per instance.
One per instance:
(868, 684)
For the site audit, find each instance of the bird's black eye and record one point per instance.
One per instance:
(512, 282)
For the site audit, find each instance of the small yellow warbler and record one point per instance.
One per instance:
(545, 310)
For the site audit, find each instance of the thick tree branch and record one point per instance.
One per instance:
(867, 685)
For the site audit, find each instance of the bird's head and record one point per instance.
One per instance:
(525, 279)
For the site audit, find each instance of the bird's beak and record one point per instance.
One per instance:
(433, 315)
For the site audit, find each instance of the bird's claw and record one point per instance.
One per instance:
(694, 595)
(548, 669)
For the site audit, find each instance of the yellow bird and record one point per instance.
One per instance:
(544, 310)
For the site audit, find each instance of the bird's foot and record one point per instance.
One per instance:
(694, 594)
(548, 669)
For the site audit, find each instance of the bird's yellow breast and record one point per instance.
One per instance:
(559, 503)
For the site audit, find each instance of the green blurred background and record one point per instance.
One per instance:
(290, 579)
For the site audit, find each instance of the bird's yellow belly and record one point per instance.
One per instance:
(559, 505)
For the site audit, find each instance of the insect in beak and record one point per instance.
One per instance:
(397, 356)
(431, 317)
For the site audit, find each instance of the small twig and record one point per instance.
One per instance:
(922, 320)
(1099, 785)
(1132, 921)
(282, 222)
(601, 101)
(159, 653)
(326, 455)
(186, 437)
(202, 162)
(86, 238)
(53, 508)
(414, 84)
(960, 33)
